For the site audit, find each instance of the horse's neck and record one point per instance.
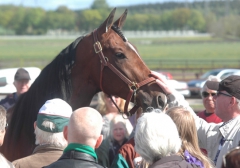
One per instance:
(82, 96)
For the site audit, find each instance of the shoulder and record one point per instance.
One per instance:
(8, 101)
(127, 148)
(23, 162)
(73, 163)
(173, 162)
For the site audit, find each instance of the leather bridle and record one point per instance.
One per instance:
(133, 86)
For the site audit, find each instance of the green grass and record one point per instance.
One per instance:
(155, 51)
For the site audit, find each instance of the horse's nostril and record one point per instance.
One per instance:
(149, 109)
(160, 102)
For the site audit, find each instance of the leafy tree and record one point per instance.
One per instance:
(89, 19)
(31, 23)
(17, 19)
(62, 18)
(99, 4)
(180, 17)
(166, 21)
(6, 14)
(227, 27)
(196, 21)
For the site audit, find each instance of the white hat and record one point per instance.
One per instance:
(57, 111)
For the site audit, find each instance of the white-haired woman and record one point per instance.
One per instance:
(157, 141)
(118, 136)
(108, 110)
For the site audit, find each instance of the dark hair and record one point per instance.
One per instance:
(232, 159)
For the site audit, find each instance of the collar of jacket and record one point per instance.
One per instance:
(81, 148)
(228, 126)
(167, 159)
(72, 154)
(47, 147)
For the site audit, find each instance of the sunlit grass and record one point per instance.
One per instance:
(21, 52)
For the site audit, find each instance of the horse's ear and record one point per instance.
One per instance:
(120, 22)
(106, 25)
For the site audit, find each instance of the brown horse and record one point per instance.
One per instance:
(102, 60)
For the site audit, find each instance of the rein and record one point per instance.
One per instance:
(133, 86)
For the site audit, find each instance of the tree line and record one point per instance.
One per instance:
(221, 18)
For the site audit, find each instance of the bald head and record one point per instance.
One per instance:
(85, 127)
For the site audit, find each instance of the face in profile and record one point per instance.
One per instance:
(109, 104)
(119, 132)
(22, 86)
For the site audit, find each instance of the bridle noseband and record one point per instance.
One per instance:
(133, 86)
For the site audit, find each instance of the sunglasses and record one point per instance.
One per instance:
(206, 94)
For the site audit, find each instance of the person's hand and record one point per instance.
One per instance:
(162, 82)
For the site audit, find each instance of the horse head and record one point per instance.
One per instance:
(114, 66)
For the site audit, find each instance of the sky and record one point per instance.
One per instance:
(77, 4)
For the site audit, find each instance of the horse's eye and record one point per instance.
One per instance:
(120, 55)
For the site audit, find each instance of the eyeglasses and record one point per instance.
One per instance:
(206, 94)
(6, 125)
(221, 93)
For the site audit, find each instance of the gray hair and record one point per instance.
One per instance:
(3, 118)
(238, 101)
(43, 137)
(210, 78)
(156, 136)
(118, 119)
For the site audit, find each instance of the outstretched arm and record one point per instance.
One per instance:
(177, 99)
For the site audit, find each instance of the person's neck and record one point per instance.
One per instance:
(110, 116)
(231, 118)
(209, 111)
(120, 142)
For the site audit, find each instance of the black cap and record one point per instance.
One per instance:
(22, 74)
(230, 84)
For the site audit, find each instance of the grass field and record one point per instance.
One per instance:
(157, 52)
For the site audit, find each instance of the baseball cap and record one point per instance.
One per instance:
(22, 74)
(230, 84)
(56, 111)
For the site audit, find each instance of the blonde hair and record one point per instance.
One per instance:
(101, 107)
(118, 119)
(188, 133)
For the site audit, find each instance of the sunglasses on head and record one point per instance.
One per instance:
(206, 94)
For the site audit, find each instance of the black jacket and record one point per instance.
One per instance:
(173, 161)
(75, 159)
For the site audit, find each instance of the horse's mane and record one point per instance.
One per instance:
(53, 82)
(119, 32)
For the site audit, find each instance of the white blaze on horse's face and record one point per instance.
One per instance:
(131, 46)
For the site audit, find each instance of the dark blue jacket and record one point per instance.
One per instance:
(9, 101)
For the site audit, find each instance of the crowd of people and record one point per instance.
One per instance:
(173, 137)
